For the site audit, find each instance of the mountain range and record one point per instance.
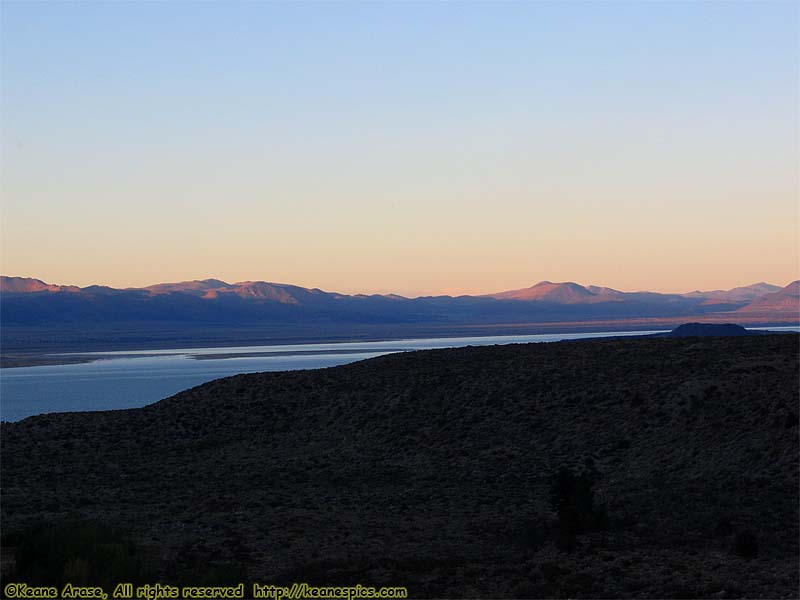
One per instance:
(28, 301)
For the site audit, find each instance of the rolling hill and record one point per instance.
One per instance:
(435, 470)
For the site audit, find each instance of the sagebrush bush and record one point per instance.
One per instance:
(78, 553)
(745, 544)
(572, 498)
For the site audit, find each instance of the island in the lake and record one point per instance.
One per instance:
(624, 468)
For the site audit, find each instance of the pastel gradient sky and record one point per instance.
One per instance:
(410, 147)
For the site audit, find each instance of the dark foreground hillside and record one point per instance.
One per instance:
(438, 471)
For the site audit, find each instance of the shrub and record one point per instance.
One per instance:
(572, 499)
(745, 544)
(77, 553)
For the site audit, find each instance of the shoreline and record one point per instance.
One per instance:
(88, 353)
(448, 456)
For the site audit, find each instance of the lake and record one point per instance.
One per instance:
(130, 379)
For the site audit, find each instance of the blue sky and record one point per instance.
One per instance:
(409, 147)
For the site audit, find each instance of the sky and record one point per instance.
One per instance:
(407, 147)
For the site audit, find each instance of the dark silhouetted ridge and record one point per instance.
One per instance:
(435, 470)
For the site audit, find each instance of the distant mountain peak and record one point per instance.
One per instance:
(786, 300)
(30, 285)
(743, 293)
(567, 292)
(215, 282)
(195, 285)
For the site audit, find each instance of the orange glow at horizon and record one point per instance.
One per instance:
(416, 149)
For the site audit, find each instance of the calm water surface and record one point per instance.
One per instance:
(132, 379)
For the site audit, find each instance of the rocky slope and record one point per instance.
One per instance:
(786, 299)
(433, 470)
